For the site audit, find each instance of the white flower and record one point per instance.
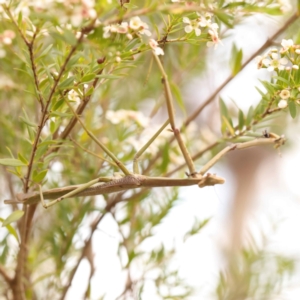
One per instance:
(192, 25)
(286, 44)
(154, 45)
(215, 41)
(137, 24)
(282, 104)
(285, 94)
(122, 28)
(275, 63)
(295, 67)
(297, 51)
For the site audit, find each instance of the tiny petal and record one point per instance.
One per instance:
(159, 51)
(295, 67)
(283, 61)
(282, 104)
(197, 31)
(188, 28)
(186, 20)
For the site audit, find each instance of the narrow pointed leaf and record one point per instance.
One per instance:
(14, 216)
(12, 162)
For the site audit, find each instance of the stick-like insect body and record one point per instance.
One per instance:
(125, 183)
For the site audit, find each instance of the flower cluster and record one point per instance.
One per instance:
(285, 62)
(287, 58)
(127, 117)
(204, 22)
(135, 26)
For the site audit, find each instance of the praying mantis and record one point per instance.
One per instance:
(132, 180)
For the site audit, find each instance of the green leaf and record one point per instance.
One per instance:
(58, 104)
(228, 125)
(52, 127)
(269, 86)
(40, 176)
(224, 18)
(22, 159)
(11, 230)
(20, 19)
(249, 115)
(14, 216)
(198, 225)
(279, 78)
(176, 91)
(88, 78)
(223, 108)
(69, 82)
(12, 162)
(90, 91)
(292, 109)
(60, 114)
(241, 120)
(45, 51)
(27, 122)
(108, 76)
(130, 6)
(236, 60)
(69, 37)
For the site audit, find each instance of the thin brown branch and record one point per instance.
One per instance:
(171, 115)
(5, 276)
(6, 8)
(30, 50)
(19, 289)
(33, 67)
